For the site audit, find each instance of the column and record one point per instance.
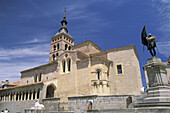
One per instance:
(28, 95)
(18, 96)
(100, 86)
(14, 96)
(4, 99)
(66, 66)
(21, 95)
(1, 98)
(32, 95)
(36, 94)
(25, 95)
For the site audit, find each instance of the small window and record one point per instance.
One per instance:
(69, 48)
(35, 78)
(40, 76)
(119, 69)
(69, 64)
(98, 73)
(58, 46)
(54, 47)
(66, 46)
(53, 57)
(63, 64)
(57, 54)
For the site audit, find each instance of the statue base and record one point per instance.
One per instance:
(156, 72)
(158, 93)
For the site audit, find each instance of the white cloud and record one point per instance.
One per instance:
(13, 61)
(37, 50)
(35, 40)
(164, 48)
(163, 17)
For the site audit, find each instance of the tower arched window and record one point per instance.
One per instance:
(40, 76)
(69, 64)
(64, 66)
(58, 46)
(35, 78)
(98, 73)
(54, 47)
(69, 48)
(66, 46)
(53, 57)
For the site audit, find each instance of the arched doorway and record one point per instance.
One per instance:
(50, 91)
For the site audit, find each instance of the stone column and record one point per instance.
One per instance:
(4, 98)
(14, 96)
(105, 88)
(28, 95)
(25, 93)
(36, 91)
(18, 96)
(66, 66)
(21, 95)
(32, 94)
(100, 88)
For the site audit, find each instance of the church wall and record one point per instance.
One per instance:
(79, 104)
(66, 81)
(83, 78)
(48, 72)
(129, 82)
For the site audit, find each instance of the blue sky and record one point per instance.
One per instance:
(26, 28)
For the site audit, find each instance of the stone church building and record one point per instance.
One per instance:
(81, 70)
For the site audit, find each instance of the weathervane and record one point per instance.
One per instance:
(149, 41)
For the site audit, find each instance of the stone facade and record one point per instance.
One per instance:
(78, 70)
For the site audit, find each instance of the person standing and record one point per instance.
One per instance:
(2, 111)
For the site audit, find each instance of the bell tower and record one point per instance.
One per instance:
(61, 42)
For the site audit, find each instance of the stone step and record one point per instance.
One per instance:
(157, 99)
(61, 112)
(153, 104)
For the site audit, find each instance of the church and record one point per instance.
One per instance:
(76, 71)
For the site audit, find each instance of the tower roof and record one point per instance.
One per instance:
(64, 22)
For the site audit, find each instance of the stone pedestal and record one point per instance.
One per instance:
(158, 93)
(156, 72)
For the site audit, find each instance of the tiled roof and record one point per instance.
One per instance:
(17, 83)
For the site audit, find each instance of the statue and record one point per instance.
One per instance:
(38, 105)
(149, 41)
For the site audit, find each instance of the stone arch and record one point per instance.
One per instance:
(50, 90)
